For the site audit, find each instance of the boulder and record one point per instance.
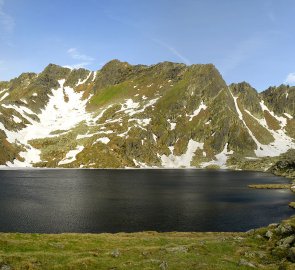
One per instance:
(269, 234)
(273, 225)
(5, 267)
(284, 229)
(287, 241)
(291, 255)
(115, 253)
(243, 262)
(163, 265)
(180, 249)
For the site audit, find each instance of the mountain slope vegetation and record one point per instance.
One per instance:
(166, 115)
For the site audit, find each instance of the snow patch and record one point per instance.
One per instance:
(94, 75)
(221, 158)
(80, 82)
(197, 111)
(282, 142)
(288, 116)
(185, 159)
(71, 155)
(140, 164)
(87, 135)
(282, 120)
(57, 115)
(4, 96)
(16, 119)
(104, 140)
(172, 124)
(261, 150)
(131, 108)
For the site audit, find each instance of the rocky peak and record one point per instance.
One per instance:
(248, 97)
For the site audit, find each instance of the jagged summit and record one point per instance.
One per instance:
(163, 115)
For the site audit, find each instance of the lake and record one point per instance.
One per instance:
(93, 201)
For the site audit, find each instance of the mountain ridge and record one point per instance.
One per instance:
(164, 115)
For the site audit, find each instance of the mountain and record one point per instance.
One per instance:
(164, 115)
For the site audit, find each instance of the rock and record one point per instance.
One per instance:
(164, 265)
(282, 267)
(57, 245)
(250, 232)
(273, 225)
(292, 204)
(260, 254)
(284, 229)
(280, 251)
(5, 267)
(249, 254)
(287, 241)
(291, 255)
(180, 249)
(258, 236)
(269, 234)
(243, 262)
(115, 253)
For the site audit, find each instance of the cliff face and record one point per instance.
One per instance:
(165, 115)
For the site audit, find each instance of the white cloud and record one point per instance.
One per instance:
(6, 21)
(173, 50)
(75, 54)
(84, 60)
(290, 79)
(77, 66)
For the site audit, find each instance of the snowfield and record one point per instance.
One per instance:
(58, 114)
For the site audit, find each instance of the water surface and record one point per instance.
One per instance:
(52, 201)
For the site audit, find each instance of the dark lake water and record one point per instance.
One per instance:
(53, 201)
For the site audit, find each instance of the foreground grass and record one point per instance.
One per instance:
(148, 250)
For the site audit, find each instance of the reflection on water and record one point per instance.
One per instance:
(138, 200)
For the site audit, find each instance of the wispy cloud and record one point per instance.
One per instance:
(76, 55)
(7, 22)
(290, 79)
(135, 26)
(241, 53)
(271, 16)
(172, 50)
(269, 11)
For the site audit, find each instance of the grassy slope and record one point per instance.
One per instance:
(146, 250)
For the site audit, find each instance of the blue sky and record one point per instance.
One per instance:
(247, 40)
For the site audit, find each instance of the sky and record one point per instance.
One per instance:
(247, 40)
